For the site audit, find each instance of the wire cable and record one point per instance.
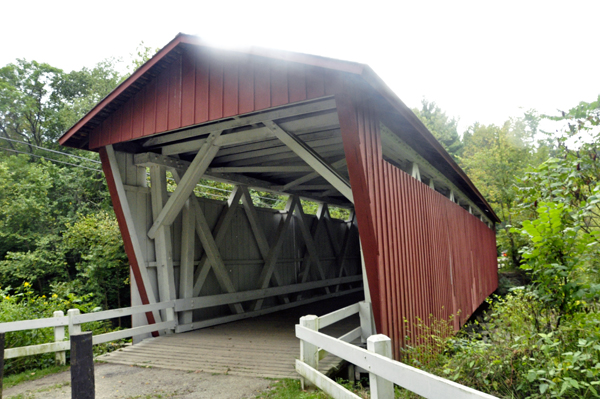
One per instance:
(48, 149)
(50, 159)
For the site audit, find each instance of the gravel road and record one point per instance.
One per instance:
(119, 381)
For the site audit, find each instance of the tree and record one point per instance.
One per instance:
(442, 127)
(39, 102)
(493, 157)
(28, 104)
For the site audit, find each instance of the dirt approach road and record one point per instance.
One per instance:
(118, 381)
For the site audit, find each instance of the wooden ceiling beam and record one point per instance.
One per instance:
(310, 156)
(280, 113)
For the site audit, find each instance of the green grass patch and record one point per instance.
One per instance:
(288, 388)
(31, 375)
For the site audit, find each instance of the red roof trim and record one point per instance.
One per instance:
(121, 88)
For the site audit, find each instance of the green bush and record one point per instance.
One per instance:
(510, 358)
(23, 303)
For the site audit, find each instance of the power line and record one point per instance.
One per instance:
(47, 149)
(53, 160)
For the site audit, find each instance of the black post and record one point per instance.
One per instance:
(82, 366)
(1, 361)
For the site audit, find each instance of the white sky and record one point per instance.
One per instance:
(478, 60)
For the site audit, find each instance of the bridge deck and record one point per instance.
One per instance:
(264, 346)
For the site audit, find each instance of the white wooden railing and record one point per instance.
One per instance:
(384, 372)
(74, 319)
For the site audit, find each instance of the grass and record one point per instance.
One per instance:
(288, 388)
(31, 375)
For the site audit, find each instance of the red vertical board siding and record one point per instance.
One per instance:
(127, 121)
(215, 89)
(246, 86)
(279, 84)
(202, 88)
(174, 74)
(95, 136)
(297, 82)
(162, 101)
(150, 108)
(262, 85)
(432, 259)
(188, 89)
(315, 82)
(230, 87)
(114, 131)
(137, 123)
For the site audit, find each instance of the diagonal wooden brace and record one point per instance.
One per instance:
(185, 187)
(313, 159)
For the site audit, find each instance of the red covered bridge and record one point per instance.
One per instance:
(305, 128)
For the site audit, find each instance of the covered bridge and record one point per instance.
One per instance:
(305, 128)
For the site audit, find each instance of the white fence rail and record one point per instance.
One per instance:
(74, 319)
(376, 359)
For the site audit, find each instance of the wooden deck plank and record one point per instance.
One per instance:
(263, 346)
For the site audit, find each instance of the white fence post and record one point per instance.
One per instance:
(59, 336)
(365, 312)
(380, 387)
(309, 353)
(74, 328)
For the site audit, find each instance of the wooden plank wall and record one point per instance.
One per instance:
(429, 256)
(205, 85)
(239, 249)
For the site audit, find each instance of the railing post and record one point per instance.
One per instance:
(1, 361)
(74, 328)
(367, 328)
(82, 366)
(309, 353)
(380, 387)
(59, 336)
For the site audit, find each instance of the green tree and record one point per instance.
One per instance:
(493, 157)
(441, 126)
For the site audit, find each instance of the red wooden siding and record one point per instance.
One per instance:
(203, 86)
(431, 256)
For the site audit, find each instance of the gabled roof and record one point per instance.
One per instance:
(414, 133)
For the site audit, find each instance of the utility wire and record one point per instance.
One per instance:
(47, 149)
(53, 160)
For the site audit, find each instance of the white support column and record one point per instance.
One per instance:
(451, 196)
(365, 278)
(431, 184)
(129, 221)
(470, 210)
(415, 171)
(185, 187)
(380, 388)
(313, 159)
(186, 268)
(367, 324)
(163, 242)
(309, 353)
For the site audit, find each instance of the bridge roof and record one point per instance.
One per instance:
(188, 89)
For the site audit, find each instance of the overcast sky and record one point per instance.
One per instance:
(478, 60)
